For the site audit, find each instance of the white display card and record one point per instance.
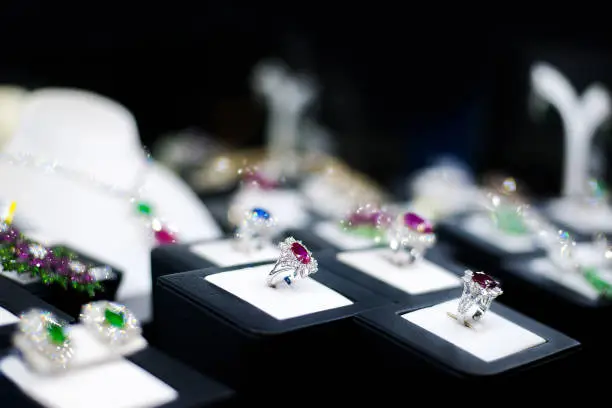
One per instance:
(302, 297)
(98, 378)
(7, 317)
(581, 218)
(481, 226)
(490, 339)
(573, 281)
(421, 277)
(225, 253)
(333, 233)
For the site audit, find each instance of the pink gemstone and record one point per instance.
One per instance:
(416, 223)
(300, 253)
(484, 280)
(164, 237)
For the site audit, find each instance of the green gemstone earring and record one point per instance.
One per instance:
(110, 322)
(43, 340)
(509, 220)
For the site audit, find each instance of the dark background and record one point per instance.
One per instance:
(397, 91)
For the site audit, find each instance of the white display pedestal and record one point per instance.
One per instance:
(302, 297)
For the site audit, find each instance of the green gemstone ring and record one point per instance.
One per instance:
(110, 322)
(43, 340)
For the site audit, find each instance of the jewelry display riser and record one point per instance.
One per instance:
(401, 352)
(184, 257)
(194, 389)
(69, 300)
(252, 351)
(439, 256)
(474, 250)
(15, 300)
(555, 304)
(570, 219)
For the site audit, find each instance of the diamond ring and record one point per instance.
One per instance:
(367, 221)
(43, 340)
(409, 238)
(255, 230)
(294, 262)
(479, 291)
(110, 322)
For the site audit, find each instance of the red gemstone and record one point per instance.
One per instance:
(300, 253)
(484, 280)
(164, 237)
(416, 223)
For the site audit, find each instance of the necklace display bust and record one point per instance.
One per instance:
(92, 135)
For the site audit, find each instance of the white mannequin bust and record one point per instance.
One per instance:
(97, 137)
(12, 99)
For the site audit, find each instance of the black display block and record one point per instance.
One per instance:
(256, 354)
(403, 353)
(438, 255)
(68, 300)
(195, 390)
(177, 258)
(17, 300)
(473, 250)
(555, 304)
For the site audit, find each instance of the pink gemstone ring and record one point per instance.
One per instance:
(295, 262)
(479, 291)
(410, 238)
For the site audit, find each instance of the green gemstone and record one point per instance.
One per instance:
(602, 286)
(144, 208)
(115, 319)
(56, 334)
(509, 221)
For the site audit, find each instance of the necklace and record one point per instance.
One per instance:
(159, 230)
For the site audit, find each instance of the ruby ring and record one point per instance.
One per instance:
(409, 238)
(479, 291)
(295, 262)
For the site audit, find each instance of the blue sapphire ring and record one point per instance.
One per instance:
(256, 230)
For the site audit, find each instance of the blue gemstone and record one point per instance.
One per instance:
(288, 280)
(260, 213)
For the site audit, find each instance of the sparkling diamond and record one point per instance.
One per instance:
(38, 251)
(301, 253)
(77, 267)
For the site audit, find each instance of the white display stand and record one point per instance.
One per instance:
(286, 206)
(493, 338)
(417, 279)
(582, 115)
(23, 278)
(580, 217)
(12, 99)
(97, 374)
(224, 253)
(332, 232)
(573, 281)
(287, 95)
(7, 317)
(91, 134)
(303, 297)
(481, 226)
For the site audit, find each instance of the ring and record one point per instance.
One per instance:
(479, 291)
(409, 238)
(367, 221)
(42, 337)
(294, 262)
(256, 229)
(110, 322)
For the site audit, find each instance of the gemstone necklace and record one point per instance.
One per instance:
(160, 231)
